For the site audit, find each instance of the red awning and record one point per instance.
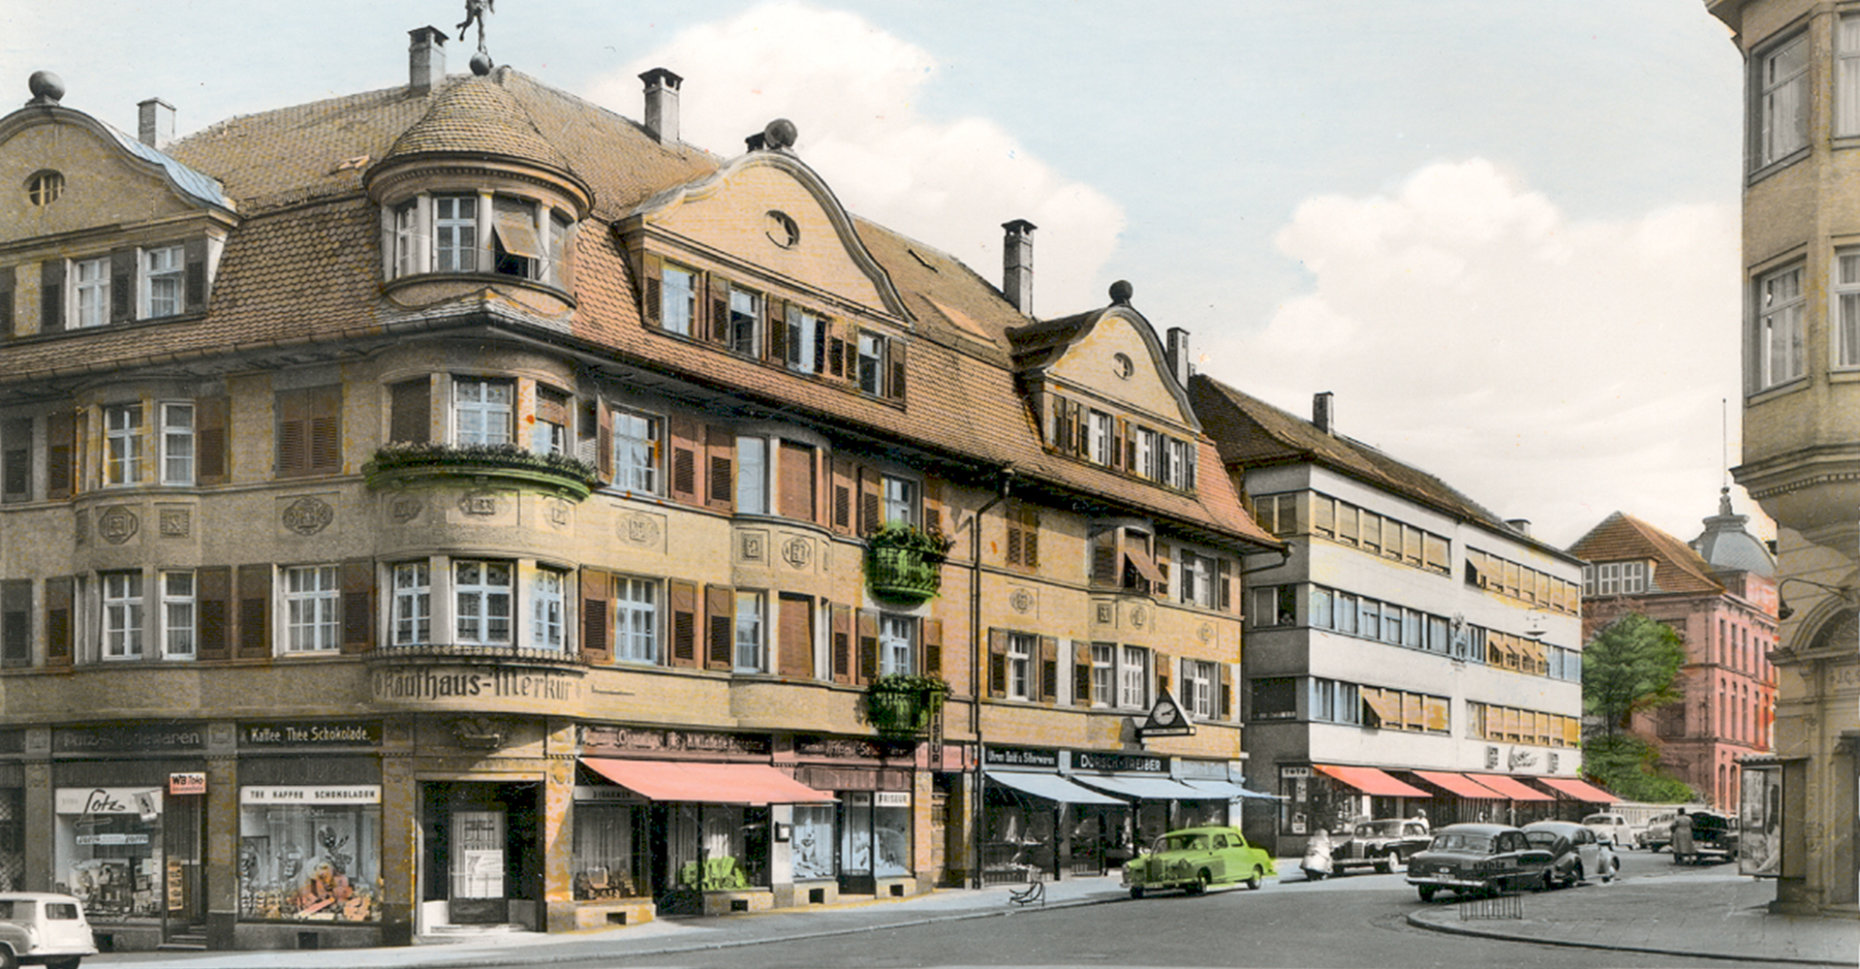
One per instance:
(1371, 781)
(1458, 783)
(1510, 787)
(667, 780)
(1579, 789)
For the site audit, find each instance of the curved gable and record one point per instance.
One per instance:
(1090, 359)
(110, 178)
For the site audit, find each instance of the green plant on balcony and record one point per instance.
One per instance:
(507, 464)
(904, 704)
(905, 563)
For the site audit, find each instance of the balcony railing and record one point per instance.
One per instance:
(504, 464)
(904, 564)
(900, 705)
(473, 653)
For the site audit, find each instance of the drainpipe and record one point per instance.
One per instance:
(975, 668)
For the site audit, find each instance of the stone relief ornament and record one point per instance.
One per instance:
(478, 733)
(559, 512)
(175, 522)
(80, 523)
(1139, 617)
(308, 515)
(637, 529)
(1107, 613)
(797, 552)
(118, 524)
(1207, 632)
(405, 508)
(752, 547)
(482, 503)
(1021, 601)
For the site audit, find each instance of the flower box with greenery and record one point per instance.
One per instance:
(506, 464)
(904, 563)
(904, 704)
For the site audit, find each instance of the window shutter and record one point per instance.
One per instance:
(777, 330)
(194, 274)
(254, 611)
(16, 458)
(1081, 674)
(794, 469)
(325, 425)
(16, 622)
(52, 296)
(80, 437)
(684, 596)
(122, 285)
(721, 448)
(59, 592)
(597, 644)
(1103, 562)
(1223, 585)
(1163, 663)
(1224, 690)
(843, 483)
(1030, 537)
(997, 663)
(358, 605)
(410, 405)
(652, 290)
(932, 663)
(60, 450)
(719, 309)
(895, 389)
(1081, 429)
(6, 302)
(213, 598)
(604, 441)
(1129, 436)
(871, 512)
(821, 326)
(212, 417)
(684, 434)
(1120, 430)
(842, 643)
(1049, 669)
(720, 616)
(868, 647)
(933, 504)
(795, 643)
(293, 447)
(836, 356)
(1014, 553)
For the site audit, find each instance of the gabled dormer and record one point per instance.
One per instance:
(761, 261)
(1108, 393)
(99, 228)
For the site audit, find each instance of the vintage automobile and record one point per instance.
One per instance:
(1657, 834)
(1575, 851)
(1194, 858)
(1478, 859)
(1612, 828)
(1714, 839)
(43, 928)
(1383, 845)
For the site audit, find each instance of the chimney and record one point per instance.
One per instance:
(1324, 411)
(426, 59)
(155, 123)
(1520, 525)
(1177, 353)
(662, 104)
(1017, 265)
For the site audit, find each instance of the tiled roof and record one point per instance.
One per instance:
(477, 115)
(1621, 538)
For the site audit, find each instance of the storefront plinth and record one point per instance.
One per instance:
(127, 936)
(737, 903)
(284, 936)
(222, 930)
(602, 915)
(803, 894)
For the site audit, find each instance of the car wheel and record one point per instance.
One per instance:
(1136, 891)
(1202, 878)
(1254, 880)
(7, 959)
(1575, 875)
(1385, 864)
(1426, 891)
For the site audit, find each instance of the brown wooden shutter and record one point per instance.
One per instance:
(410, 411)
(720, 620)
(997, 662)
(1030, 536)
(842, 643)
(16, 622)
(933, 647)
(719, 321)
(652, 292)
(836, 356)
(1223, 584)
(795, 655)
(16, 456)
(59, 593)
(212, 420)
(1120, 430)
(933, 504)
(795, 479)
(684, 596)
(1015, 553)
(326, 429)
(871, 509)
(777, 330)
(1049, 669)
(843, 484)
(254, 611)
(6, 302)
(1104, 562)
(1081, 674)
(1129, 434)
(1160, 661)
(686, 468)
(604, 441)
(597, 643)
(1224, 689)
(309, 426)
(358, 605)
(867, 670)
(122, 285)
(80, 450)
(821, 327)
(60, 452)
(720, 447)
(52, 296)
(213, 597)
(895, 389)
(194, 274)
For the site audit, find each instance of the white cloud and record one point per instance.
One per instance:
(850, 88)
(1552, 368)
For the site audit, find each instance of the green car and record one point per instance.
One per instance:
(1194, 858)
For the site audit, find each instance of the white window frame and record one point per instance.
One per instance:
(162, 273)
(677, 299)
(90, 285)
(494, 419)
(637, 435)
(1197, 582)
(744, 334)
(1197, 697)
(312, 604)
(1177, 464)
(1844, 281)
(476, 603)
(409, 257)
(1021, 649)
(870, 360)
(1633, 578)
(121, 615)
(803, 330)
(897, 644)
(1782, 89)
(1608, 579)
(899, 496)
(747, 654)
(1780, 326)
(180, 615)
(1147, 465)
(1133, 679)
(177, 442)
(412, 619)
(455, 233)
(636, 620)
(1100, 427)
(548, 596)
(752, 474)
(1847, 75)
(1103, 674)
(122, 448)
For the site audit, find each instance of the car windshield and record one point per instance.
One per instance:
(1183, 842)
(1379, 829)
(1599, 819)
(1461, 841)
(1541, 839)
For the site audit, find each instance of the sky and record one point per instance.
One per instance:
(1504, 235)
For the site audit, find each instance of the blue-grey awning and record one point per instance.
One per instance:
(1229, 790)
(1049, 786)
(1147, 788)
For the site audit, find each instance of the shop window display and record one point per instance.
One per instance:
(812, 842)
(1018, 836)
(876, 839)
(310, 854)
(109, 850)
(610, 860)
(12, 842)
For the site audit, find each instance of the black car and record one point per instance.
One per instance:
(1478, 858)
(1382, 844)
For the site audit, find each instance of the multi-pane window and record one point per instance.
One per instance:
(752, 475)
(481, 591)
(1780, 341)
(749, 629)
(177, 444)
(677, 299)
(482, 410)
(1274, 698)
(896, 644)
(93, 292)
(407, 237)
(122, 615)
(1103, 674)
(1099, 442)
(310, 602)
(1146, 453)
(515, 248)
(802, 340)
(900, 496)
(1021, 648)
(1133, 677)
(1277, 605)
(413, 604)
(1847, 298)
(549, 425)
(177, 615)
(547, 607)
(122, 452)
(161, 275)
(1198, 677)
(1336, 702)
(1847, 76)
(745, 319)
(455, 233)
(636, 452)
(636, 621)
(1782, 101)
(1197, 573)
(872, 363)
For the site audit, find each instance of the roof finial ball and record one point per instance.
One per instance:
(1120, 292)
(779, 134)
(46, 87)
(481, 63)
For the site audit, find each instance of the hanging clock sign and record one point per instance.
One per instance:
(1165, 719)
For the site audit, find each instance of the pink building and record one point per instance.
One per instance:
(1719, 594)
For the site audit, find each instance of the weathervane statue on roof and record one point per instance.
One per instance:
(474, 12)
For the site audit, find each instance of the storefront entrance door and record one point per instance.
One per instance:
(483, 862)
(184, 888)
(477, 868)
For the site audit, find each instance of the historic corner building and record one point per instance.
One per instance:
(1719, 594)
(1801, 353)
(458, 504)
(1410, 652)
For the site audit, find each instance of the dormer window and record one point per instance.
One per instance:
(479, 233)
(1615, 579)
(872, 364)
(455, 234)
(93, 292)
(162, 281)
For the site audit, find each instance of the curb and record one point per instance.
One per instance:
(1415, 919)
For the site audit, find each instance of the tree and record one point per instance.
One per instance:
(1632, 665)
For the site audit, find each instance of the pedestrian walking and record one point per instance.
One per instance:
(1682, 837)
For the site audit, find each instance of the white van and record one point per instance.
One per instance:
(43, 928)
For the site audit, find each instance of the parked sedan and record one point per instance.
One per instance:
(1192, 859)
(1657, 834)
(1381, 845)
(41, 927)
(1478, 858)
(1575, 851)
(1612, 828)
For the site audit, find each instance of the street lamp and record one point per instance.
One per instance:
(1846, 593)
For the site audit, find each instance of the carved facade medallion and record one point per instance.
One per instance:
(405, 508)
(478, 733)
(308, 515)
(118, 524)
(798, 552)
(1207, 632)
(643, 530)
(1021, 601)
(80, 524)
(558, 511)
(1107, 613)
(176, 522)
(752, 547)
(480, 503)
(1139, 617)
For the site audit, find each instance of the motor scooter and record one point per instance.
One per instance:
(1317, 863)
